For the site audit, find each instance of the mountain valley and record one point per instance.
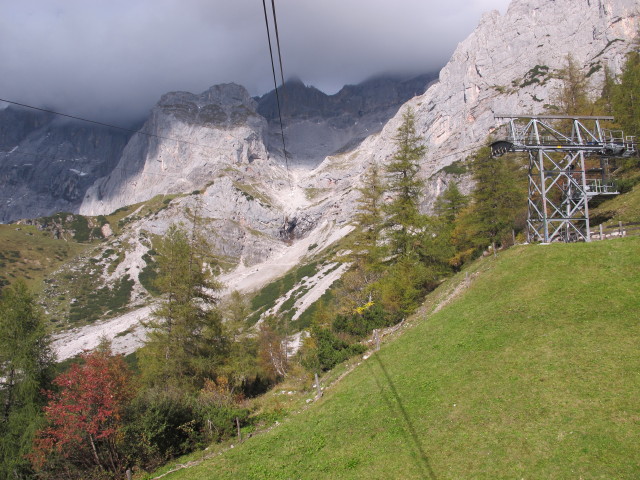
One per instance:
(289, 209)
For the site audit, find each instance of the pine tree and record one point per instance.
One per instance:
(185, 343)
(26, 363)
(236, 310)
(404, 217)
(572, 96)
(604, 105)
(242, 353)
(369, 218)
(625, 98)
(450, 203)
(498, 203)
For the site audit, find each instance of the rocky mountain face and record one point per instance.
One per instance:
(317, 125)
(509, 65)
(47, 164)
(215, 130)
(229, 154)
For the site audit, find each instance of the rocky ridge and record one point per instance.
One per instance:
(264, 218)
(508, 65)
(216, 129)
(317, 125)
(47, 163)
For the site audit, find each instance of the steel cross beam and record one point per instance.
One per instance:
(559, 184)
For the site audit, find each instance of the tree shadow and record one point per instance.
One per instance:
(394, 403)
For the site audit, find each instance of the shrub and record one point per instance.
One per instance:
(362, 324)
(159, 426)
(80, 227)
(330, 350)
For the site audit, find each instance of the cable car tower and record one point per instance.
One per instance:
(565, 170)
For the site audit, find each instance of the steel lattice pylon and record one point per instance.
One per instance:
(565, 170)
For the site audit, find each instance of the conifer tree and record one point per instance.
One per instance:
(572, 96)
(604, 105)
(450, 203)
(185, 343)
(404, 218)
(369, 217)
(242, 353)
(625, 98)
(498, 203)
(26, 363)
(236, 309)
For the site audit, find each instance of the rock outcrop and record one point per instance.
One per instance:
(317, 125)
(509, 65)
(47, 163)
(216, 129)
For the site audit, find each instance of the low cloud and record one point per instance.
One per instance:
(113, 59)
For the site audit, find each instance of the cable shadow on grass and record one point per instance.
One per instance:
(394, 403)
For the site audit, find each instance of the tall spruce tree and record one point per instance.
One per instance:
(241, 365)
(625, 98)
(437, 246)
(185, 342)
(572, 95)
(26, 364)
(403, 215)
(369, 218)
(450, 203)
(498, 203)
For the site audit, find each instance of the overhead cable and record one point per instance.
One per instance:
(275, 23)
(275, 81)
(95, 122)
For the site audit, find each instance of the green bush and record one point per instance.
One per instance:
(96, 232)
(330, 350)
(218, 422)
(624, 185)
(80, 227)
(404, 286)
(159, 426)
(362, 324)
(455, 168)
(149, 273)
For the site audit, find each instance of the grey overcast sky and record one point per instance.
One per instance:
(112, 59)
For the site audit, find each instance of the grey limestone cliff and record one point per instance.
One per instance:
(47, 164)
(187, 141)
(317, 125)
(508, 65)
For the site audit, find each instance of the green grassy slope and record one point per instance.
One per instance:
(623, 208)
(533, 372)
(30, 254)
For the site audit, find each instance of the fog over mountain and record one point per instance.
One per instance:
(113, 60)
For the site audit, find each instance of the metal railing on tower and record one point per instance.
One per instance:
(568, 166)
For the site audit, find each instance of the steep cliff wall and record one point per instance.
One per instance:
(47, 164)
(216, 129)
(317, 125)
(507, 65)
